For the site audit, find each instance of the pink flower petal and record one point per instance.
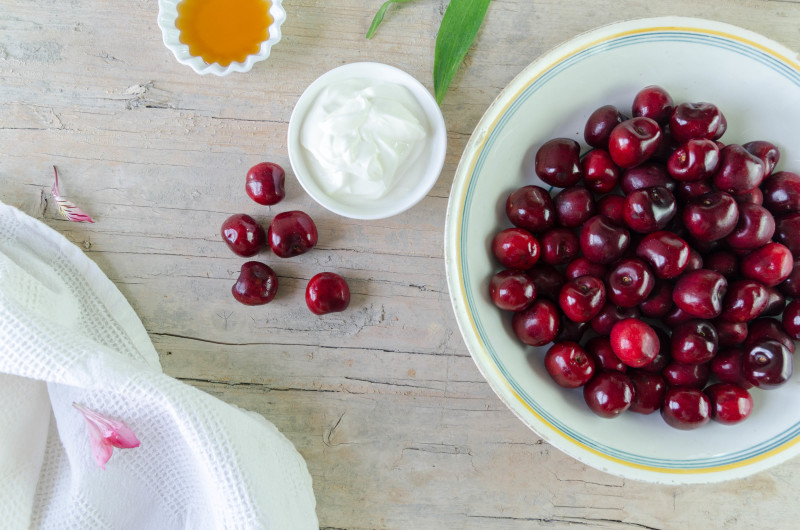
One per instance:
(106, 433)
(67, 208)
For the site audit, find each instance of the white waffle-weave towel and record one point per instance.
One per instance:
(68, 335)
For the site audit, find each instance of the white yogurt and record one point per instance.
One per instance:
(361, 135)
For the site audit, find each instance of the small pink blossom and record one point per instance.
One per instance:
(105, 433)
(67, 208)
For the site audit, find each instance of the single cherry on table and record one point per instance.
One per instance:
(291, 234)
(264, 183)
(243, 235)
(256, 285)
(327, 292)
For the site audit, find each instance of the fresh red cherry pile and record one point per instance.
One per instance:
(289, 234)
(665, 272)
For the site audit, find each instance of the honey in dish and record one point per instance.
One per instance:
(223, 31)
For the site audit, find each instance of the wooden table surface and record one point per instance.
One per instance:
(397, 426)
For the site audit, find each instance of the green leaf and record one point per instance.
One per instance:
(460, 25)
(379, 16)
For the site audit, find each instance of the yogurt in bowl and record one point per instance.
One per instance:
(367, 140)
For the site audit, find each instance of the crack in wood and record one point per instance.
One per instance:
(583, 521)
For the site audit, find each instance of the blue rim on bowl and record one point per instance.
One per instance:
(464, 285)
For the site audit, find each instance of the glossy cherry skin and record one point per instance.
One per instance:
(574, 205)
(770, 264)
(767, 365)
(264, 183)
(548, 281)
(727, 366)
(609, 393)
(512, 290)
(538, 324)
(653, 102)
(634, 342)
(649, 209)
(776, 301)
(648, 391)
(695, 261)
(730, 403)
(685, 408)
(695, 160)
(602, 353)
(243, 235)
(744, 301)
(559, 246)
(791, 319)
(767, 152)
(516, 248)
(646, 175)
(568, 364)
(686, 191)
(634, 141)
(602, 240)
(682, 374)
(754, 196)
(666, 253)
(600, 124)
(791, 285)
(694, 342)
(782, 193)
(659, 302)
(612, 206)
(583, 267)
(676, 316)
(787, 233)
(610, 314)
(582, 298)
(327, 292)
(531, 208)
(256, 285)
(763, 329)
(724, 262)
(664, 356)
(711, 216)
(739, 171)
(730, 333)
(700, 293)
(630, 282)
(558, 162)
(694, 120)
(291, 233)
(600, 173)
(571, 331)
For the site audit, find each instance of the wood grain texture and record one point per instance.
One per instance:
(397, 425)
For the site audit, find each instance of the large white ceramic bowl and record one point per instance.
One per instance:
(756, 83)
(168, 14)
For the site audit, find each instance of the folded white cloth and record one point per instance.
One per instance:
(68, 335)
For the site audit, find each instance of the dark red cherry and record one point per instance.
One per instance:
(659, 302)
(730, 403)
(256, 285)
(694, 120)
(243, 235)
(776, 301)
(682, 374)
(787, 232)
(791, 285)
(609, 393)
(568, 364)
(686, 191)
(730, 333)
(600, 173)
(695, 160)
(770, 264)
(574, 205)
(610, 314)
(602, 240)
(571, 331)
(664, 356)
(634, 141)
(516, 248)
(634, 342)
(744, 301)
(685, 408)
(646, 175)
(264, 183)
(694, 342)
(782, 193)
(582, 298)
(653, 102)
(612, 206)
(629, 282)
(739, 171)
(767, 152)
(512, 290)
(602, 353)
(531, 208)
(583, 267)
(791, 319)
(763, 329)
(538, 324)
(327, 292)
(768, 364)
(291, 233)
(649, 209)
(558, 162)
(648, 391)
(599, 125)
(754, 196)
(700, 293)
(727, 366)
(724, 262)
(559, 246)
(695, 261)
(666, 253)
(548, 280)
(711, 216)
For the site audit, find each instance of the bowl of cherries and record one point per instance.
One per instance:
(632, 292)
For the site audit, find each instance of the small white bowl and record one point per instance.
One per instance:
(418, 179)
(168, 14)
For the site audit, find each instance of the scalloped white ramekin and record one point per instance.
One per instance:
(168, 14)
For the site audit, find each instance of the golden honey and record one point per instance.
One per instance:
(223, 31)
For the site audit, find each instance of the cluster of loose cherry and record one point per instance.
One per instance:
(676, 297)
(290, 234)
